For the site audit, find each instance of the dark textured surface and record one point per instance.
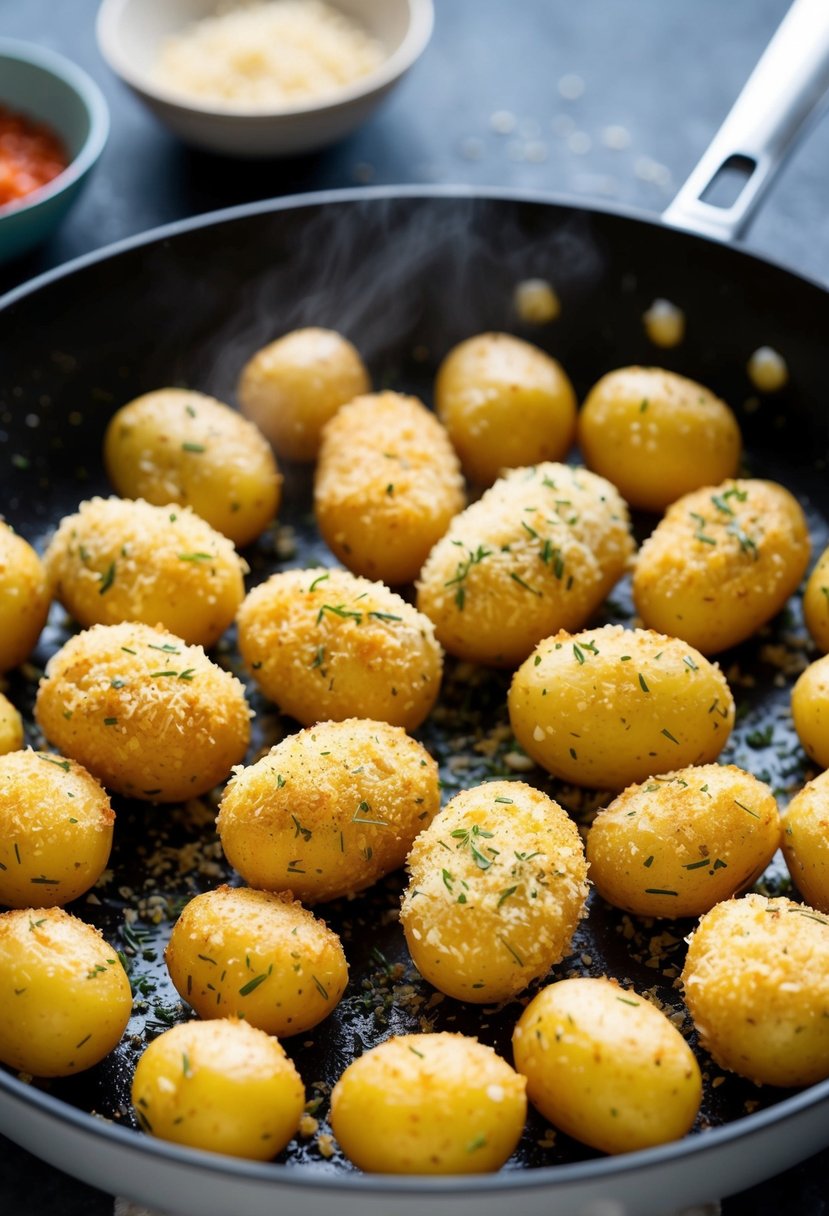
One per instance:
(667, 75)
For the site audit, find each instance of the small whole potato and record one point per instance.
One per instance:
(65, 999)
(222, 1086)
(24, 598)
(291, 388)
(505, 403)
(149, 716)
(429, 1104)
(756, 981)
(329, 810)
(805, 841)
(324, 644)
(680, 843)
(234, 952)
(497, 888)
(55, 830)
(606, 1067)
(816, 603)
(721, 563)
(176, 445)
(11, 727)
(657, 435)
(387, 485)
(118, 560)
(537, 553)
(810, 710)
(608, 707)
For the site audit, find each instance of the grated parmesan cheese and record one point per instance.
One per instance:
(268, 55)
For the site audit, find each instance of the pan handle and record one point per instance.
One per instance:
(760, 130)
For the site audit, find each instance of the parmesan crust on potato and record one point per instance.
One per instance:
(146, 714)
(387, 485)
(122, 560)
(497, 888)
(324, 644)
(537, 553)
(329, 810)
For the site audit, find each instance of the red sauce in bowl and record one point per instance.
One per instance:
(31, 155)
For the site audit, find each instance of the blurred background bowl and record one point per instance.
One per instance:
(131, 32)
(50, 89)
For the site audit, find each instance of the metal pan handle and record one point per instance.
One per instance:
(760, 130)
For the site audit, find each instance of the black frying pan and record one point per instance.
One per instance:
(405, 275)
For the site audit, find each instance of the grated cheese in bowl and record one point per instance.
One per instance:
(268, 55)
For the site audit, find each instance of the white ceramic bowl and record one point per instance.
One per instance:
(130, 33)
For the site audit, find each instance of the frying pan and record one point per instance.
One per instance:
(405, 274)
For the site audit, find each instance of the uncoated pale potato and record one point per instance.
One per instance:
(291, 387)
(539, 552)
(24, 598)
(118, 560)
(55, 829)
(329, 810)
(805, 841)
(146, 714)
(756, 981)
(606, 1067)
(657, 435)
(722, 562)
(222, 1086)
(324, 644)
(177, 445)
(607, 707)
(387, 485)
(429, 1104)
(11, 727)
(254, 955)
(505, 403)
(680, 843)
(65, 999)
(497, 888)
(816, 603)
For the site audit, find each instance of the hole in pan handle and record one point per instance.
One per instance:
(782, 92)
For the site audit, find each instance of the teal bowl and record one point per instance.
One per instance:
(48, 88)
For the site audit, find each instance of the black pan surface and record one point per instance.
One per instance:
(404, 276)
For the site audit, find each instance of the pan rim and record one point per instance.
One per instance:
(357, 194)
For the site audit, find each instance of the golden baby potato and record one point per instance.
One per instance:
(11, 727)
(537, 553)
(291, 387)
(325, 644)
(24, 598)
(118, 560)
(606, 1066)
(657, 435)
(429, 1104)
(497, 887)
(756, 982)
(816, 603)
(387, 485)
(176, 445)
(222, 1086)
(56, 827)
(65, 999)
(608, 707)
(810, 710)
(677, 844)
(805, 841)
(505, 403)
(149, 716)
(721, 563)
(235, 952)
(329, 810)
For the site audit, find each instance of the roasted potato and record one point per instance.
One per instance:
(805, 841)
(24, 598)
(11, 727)
(810, 710)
